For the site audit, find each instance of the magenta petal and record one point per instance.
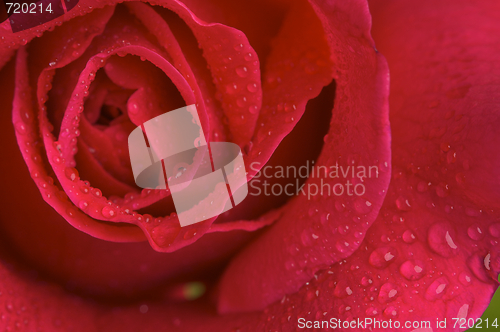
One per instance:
(234, 66)
(24, 121)
(433, 251)
(313, 234)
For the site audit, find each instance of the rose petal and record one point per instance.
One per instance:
(313, 234)
(41, 236)
(232, 72)
(30, 303)
(433, 251)
(193, 70)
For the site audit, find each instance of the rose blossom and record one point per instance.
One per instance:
(73, 94)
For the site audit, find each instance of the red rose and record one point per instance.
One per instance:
(73, 93)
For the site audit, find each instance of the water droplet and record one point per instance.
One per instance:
(108, 212)
(371, 311)
(382, 257)
(342, 290)
(409, 237)
(451, 157)
(388, 292)
(391, 312)
(437, 289)
(253, 109)
(475, 232)
(365, 281)
(241, 101)
(133, 108)
(252, 87)
(289, 265)
(96, 192)
(242, 71)
(362, 206)
(231, 88)
(494, 229)
(71, 173)
(343, 229)
(445, 146)
(464, 279)
(248, 56)
(20, 128)
(442, 190)
(403, 204)
(440, 239)
(342, 246)
(412, 269)
(324, 218)
(83, 205)
(479, 264)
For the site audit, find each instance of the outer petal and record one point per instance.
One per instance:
(433, 252)
(31, 304)
(312, 234)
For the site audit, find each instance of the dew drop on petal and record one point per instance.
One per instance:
(382, 257)
(365, 281)
(388, 292)
(252, 87)
(342, 290)
(248, 56)
(83, 205)
(362, 206)
(390, 312)
(437, 289)
(475, 232)
(242, 71)
(441, 239)
(71, 173)
(190, 233)
(409, 237)
(494, 229)
(371, 311)
(403, 204)
(442, 190)
(464, 279)
(412, 269)
(108, 212)
(96, 192)
(253, 109)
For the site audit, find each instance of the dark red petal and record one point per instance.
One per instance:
(313, 234)
(259, 19)
(31, 304)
